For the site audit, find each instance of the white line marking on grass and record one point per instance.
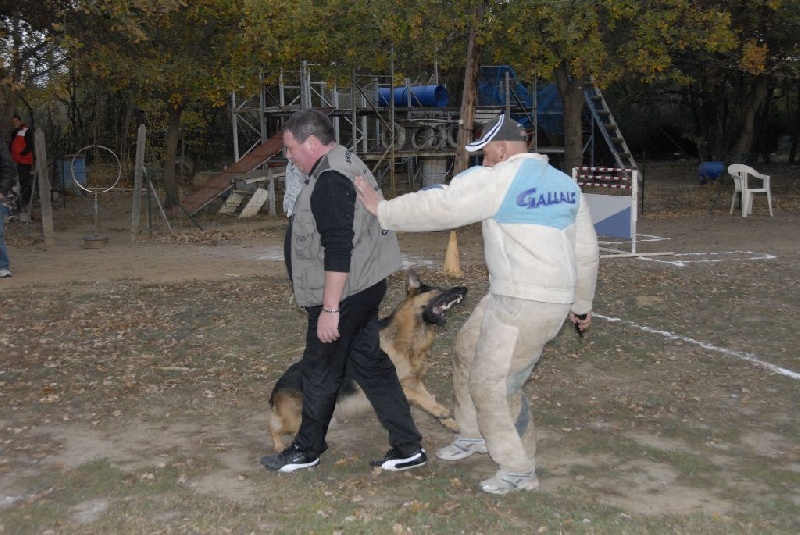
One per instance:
(649, 237)
(744, 356)
(732, 256)
(640, 238)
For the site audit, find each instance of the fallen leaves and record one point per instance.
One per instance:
(209, 237)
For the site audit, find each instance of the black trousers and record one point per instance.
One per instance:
(357, 348)
(25, 184)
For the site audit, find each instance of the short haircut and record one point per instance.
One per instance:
(310, 122)
(17, 117)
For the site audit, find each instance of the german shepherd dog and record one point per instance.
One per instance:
(406, 335)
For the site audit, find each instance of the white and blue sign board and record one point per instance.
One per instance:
(611, 215)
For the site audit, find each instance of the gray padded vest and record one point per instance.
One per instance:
(376, 253)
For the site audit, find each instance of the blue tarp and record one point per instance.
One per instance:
(549, 108)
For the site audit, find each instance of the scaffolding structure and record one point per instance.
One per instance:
(391, 126)
(385, 132)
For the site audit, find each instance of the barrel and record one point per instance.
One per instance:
(69, 170)
(710, 171)
(433, 171)
(430, 96)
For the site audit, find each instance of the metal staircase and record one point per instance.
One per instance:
(608, 126)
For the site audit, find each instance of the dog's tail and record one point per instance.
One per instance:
(291, 381)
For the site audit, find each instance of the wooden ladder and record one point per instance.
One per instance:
(608, 126)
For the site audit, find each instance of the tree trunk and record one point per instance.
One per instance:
(766, 138)
(572, 94)
(168, 175)
(6, 112)
(469, 99)
(124, 138)
(745, 141)
(795, 131)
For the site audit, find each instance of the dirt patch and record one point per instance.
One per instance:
(135, 379)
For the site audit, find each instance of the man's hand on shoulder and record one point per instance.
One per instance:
(368, 196)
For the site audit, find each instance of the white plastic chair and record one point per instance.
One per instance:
(741, 174)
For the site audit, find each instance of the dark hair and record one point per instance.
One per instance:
(310, 122)
(17, 117)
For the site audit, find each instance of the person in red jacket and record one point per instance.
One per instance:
(22, 154)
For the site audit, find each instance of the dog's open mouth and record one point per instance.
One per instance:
(434, 312)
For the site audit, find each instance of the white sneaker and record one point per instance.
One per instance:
(504, 482)
(461, 448)
(4, 273)
(394, 461)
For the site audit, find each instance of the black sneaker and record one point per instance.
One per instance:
(395, 462)
(292, 458)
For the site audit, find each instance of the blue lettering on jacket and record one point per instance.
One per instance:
(530, 199)
(540, 194)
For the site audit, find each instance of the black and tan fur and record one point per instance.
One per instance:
(406, 335)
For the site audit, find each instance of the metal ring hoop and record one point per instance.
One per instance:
(95, 190)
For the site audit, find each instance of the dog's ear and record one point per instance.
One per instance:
(412, 283)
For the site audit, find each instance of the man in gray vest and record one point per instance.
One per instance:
(294, 181)
(340, 258)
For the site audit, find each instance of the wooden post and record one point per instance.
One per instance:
(44, 187)
(470, 98)
(452, 264)
(138, 171)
